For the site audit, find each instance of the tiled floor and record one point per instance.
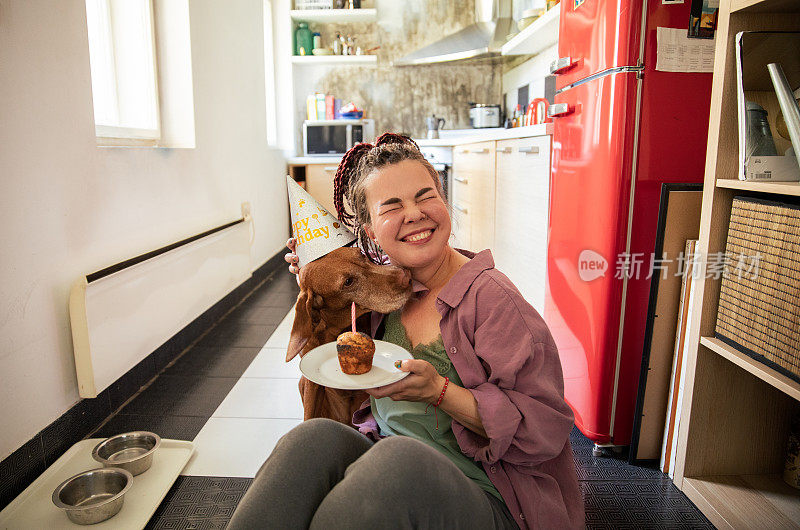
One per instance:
(235, 396)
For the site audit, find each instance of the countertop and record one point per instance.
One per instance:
(468, 136)
(448, 138)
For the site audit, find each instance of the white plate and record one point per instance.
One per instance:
(321, 365)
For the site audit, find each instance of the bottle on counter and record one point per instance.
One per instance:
(317, 40)
(303, 39)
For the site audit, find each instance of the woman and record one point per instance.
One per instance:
(477, 435)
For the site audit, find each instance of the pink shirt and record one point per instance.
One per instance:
(505, 355)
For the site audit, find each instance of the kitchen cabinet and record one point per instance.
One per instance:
(537, 37)
(473, 195)
(319, 183)
(521, 211)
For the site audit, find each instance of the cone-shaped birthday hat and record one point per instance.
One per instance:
(316, 230)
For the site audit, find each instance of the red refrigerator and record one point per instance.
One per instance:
(621, 130)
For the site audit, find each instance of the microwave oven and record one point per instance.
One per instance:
(335, 137)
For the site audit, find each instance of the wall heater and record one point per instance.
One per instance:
(121, 314)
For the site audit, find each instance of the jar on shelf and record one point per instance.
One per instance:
(303, 39)
(317, 40)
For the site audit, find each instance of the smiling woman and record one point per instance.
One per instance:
(495, 451)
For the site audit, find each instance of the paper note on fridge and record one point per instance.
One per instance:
(678, 53)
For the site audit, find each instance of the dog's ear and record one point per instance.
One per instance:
(306, 318)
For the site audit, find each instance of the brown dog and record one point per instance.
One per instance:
(328, 286)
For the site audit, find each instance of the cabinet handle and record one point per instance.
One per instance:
(504, 150)
(461, 179)
(479, 151)
(464, 151)
(330, 169)
(460, 208)
(533, 150)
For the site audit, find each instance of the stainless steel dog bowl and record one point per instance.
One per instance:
(132, 451)
(93, 496)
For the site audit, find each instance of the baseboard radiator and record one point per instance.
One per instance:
(124, 312)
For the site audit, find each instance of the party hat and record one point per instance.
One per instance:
(316, 230)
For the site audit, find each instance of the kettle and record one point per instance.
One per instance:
(434, 124)
(537, 112)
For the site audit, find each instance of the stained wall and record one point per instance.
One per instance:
(400, 98)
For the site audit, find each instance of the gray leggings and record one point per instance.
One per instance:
(325, 475)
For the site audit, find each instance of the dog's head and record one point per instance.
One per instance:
(330, 284)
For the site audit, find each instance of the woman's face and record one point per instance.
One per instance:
(408, 217)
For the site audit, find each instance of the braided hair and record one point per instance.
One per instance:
(349, 195)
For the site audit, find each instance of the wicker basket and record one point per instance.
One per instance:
(759, 307)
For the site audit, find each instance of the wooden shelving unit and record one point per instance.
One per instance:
(736, 411)
(541, 34)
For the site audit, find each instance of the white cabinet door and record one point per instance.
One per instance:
(319, 184)
(522, 199)
(473, 195)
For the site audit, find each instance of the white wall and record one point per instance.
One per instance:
(69, 208)
(532, 72)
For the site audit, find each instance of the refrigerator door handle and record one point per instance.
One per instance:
(562, 63)
(558, 110)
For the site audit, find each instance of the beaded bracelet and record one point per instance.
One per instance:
(438, 401)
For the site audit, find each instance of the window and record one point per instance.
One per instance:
(123, 64)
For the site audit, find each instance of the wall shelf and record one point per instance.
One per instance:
(309, 60)
(337, 16)
(760, 370)
(537, 37)
(764, 6)
(781, 188)
(745, 501)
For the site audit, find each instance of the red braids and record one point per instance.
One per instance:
(392, 138)
(344, 176)
(349, 166)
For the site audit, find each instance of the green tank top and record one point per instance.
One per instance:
(410, 419)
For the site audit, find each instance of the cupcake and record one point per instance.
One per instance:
(355, 351)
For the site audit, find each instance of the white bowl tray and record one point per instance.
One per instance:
(34, 507)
